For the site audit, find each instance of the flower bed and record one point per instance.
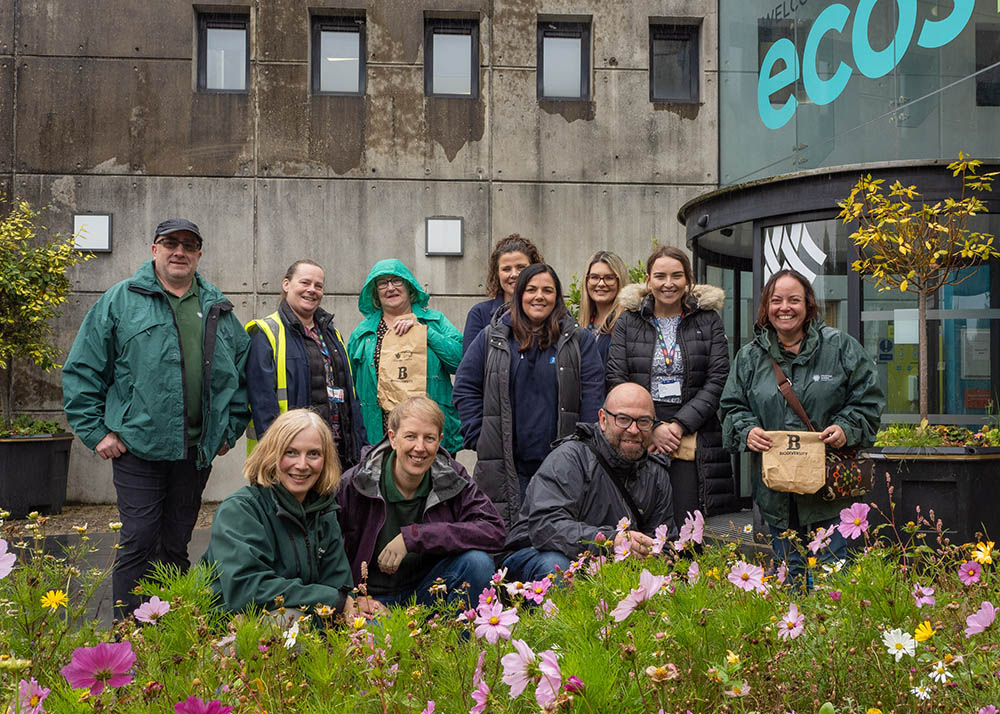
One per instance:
(904, 628)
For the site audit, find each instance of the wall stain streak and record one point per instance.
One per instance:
(684, 111)
(337, 131)
(454, 122)
(570, 111)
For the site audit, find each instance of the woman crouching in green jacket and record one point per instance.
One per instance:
(280, 535)
(837, 384)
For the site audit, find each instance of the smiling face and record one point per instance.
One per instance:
(786, 310)
(539, 298)
(304, 291)
(602, 283)
(631, 400)
(509, 266)
(667, 283)
(393, 295)
(415, 443)
(175, 257)
(302, 463)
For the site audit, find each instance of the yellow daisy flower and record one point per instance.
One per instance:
(924, 631)
(54, 599)
(983, 553)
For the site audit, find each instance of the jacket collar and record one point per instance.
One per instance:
(592, 434)
(322, 318)
(285, 504)
(767, 339)
(145, 281)
(445, 479)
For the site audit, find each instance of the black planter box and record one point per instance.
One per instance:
(33, 471)
(958, 483)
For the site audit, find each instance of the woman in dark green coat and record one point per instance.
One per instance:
(834, 379)
(280, 534)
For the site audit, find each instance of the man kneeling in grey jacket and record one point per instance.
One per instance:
(591, 480)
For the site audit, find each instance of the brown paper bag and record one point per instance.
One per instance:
(795, 463)
(688, 445)
(402, 366)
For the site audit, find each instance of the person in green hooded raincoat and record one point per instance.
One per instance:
(836, 381)
(391, 299)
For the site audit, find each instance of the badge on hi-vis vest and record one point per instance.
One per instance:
(402, 365)
(795, 463)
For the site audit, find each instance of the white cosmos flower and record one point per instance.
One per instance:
(899, 643)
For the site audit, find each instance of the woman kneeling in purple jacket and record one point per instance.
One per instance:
(411, 512)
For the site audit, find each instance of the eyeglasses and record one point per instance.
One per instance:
(383, 283)
(624, 421)
(606, 279)
(189, 246)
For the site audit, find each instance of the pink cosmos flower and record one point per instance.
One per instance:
(835, 595)
(781, 574)
(551, 681)
(481, 696)
(821, 539)
(30, 696)
(6, 560)
(516, 588)
(649, 585)
(536, 591)
(747, 577)
(623, 525)
(694, 572)
(981, 619)
(573, 685)
(595, 564)
(488, 596)
(601, 609)
(106, 664)
(467, 615)
(429, 709)
(195, 705)
(623, 550)
(494, 622)
(550, 608)
(988, 709)
(791, 623)
(516, 666)
(498, 576)
(660, 538)
(923, 595)
(969, 572)
(693, 530)
(854, 520)
(152, 610)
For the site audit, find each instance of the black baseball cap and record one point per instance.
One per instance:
(172, 225)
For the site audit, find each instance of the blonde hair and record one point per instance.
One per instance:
(418, 407)
(261, 467)
(587, 309)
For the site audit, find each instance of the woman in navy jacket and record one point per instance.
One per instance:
(526, 381)
(317, 372)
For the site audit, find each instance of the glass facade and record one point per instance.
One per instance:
(806, 84)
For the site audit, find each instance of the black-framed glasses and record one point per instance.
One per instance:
(383, 283)
(624, 421)
(606, 279)
(189, 246)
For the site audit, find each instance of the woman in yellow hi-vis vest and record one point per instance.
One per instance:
(298, 359)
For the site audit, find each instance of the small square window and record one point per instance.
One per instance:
(987, 55)
(563, 60)
(451, 58)
(223, 52)
(338, 55)
(673, 63)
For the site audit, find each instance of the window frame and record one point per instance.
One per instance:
(338, 23)
(986, 85)
(575, 29)
(222, 21)
(661, 30)
(451, 26)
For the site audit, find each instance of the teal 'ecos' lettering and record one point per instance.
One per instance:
(870, 62)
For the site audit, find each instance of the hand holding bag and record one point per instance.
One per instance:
(795, 463)
(847, 474)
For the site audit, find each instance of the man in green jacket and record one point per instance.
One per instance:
(155, 382)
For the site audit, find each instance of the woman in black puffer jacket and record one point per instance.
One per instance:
(670, 339)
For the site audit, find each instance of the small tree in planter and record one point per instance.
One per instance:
(33, 285)
(919, 248)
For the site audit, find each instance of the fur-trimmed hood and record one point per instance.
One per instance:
(702, 297)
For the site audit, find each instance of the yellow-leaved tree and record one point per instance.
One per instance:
(904, 244)
(33, 285)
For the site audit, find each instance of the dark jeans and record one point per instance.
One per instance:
(473, 567)
(530, 564)
(158, 502)
(684, 489)
(795, 561)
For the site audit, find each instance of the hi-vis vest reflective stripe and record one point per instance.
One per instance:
(274, 329)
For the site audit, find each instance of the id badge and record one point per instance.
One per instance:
(667, 389)
(336, 394)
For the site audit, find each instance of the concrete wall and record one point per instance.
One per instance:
(105, 117)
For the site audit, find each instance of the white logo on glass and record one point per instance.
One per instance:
(792, 247)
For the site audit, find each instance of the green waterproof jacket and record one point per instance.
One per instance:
(836, 381)
(264, 543)
(444, 352)
(125, 372)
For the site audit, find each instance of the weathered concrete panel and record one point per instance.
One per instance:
(6, 27)
(396, 29)
(569, 222)
(222, 208)
(6, 113)
(120, 117)
(620, 136)
(347, 226)
(619, 30)
(89, 28)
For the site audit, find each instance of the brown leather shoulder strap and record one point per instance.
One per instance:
(785, 387)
